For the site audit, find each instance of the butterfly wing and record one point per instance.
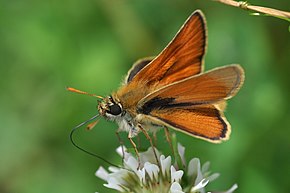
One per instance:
(207, 88)
(182, 58)
(202, 121)
(194, 105)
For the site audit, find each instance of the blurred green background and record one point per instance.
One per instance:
(48, 45)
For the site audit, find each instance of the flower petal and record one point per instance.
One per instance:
(200, 185)
(131, 163)
(232, 189)
(113, 183)
(165, 165)
(181, 150)
(205, 167)
(113, 169)
(213, 176)
(175, 175)
(148, 156)
(193, 166)
(141, 175)
(122, 151)
(194, 171)
(152, 170)
(175, 188)
(102, 173)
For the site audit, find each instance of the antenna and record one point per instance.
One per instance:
(86, 151)
(82, 92)
(90, 126)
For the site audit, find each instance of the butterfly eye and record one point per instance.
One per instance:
(115, 109)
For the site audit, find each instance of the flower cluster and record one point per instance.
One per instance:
(163, 177)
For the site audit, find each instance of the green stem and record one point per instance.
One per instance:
(176, 154)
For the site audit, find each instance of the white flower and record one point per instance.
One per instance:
(150, 177)
(175, 188)
(175, 175)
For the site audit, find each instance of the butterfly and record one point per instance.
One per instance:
(172, 91)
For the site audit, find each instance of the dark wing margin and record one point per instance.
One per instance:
(183, 56)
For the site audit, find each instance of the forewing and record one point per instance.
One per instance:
(182, 58)
(207, 88)
(204, 121)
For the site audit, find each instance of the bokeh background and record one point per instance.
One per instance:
(48, 45)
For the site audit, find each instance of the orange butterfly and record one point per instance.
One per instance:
(171, 90)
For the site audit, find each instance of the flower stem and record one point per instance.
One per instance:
(176, 154)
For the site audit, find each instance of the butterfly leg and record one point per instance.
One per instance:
(136, 151)
(168, 138)
(121, 143)
(138, 142)
(151, 143)
(155, 138)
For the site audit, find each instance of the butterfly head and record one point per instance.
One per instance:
(110, 108)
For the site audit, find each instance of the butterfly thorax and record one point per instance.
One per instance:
(131, 94)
